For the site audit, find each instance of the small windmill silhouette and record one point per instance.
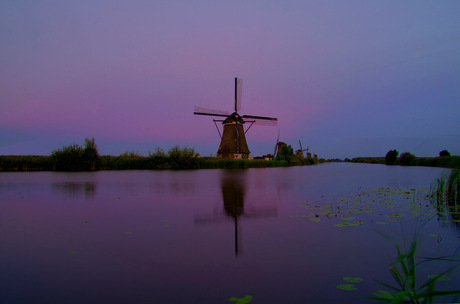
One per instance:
(300, 151)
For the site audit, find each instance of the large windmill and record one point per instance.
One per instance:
(233, 140)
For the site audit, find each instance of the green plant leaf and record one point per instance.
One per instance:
(244, 300)
(353, 280)
(346, 287)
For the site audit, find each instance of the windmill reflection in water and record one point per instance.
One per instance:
(233, 185)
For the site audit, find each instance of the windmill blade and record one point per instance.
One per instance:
(277, 141)
(262, 120)
(238, 94)
(210, 112)
(300, 145)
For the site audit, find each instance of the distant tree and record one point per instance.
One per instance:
(90, 155)
(444, 153)
(286, 153)
(75, 157)
(406, 159)
(185, 158)
(69, 158)
(391, 157)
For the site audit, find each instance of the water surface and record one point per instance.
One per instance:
(281, 235)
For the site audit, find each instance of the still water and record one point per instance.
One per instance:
(280, 235)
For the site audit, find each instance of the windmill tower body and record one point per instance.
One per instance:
(233, 140)
(233, 143)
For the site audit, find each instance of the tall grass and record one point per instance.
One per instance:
(407, 289)
(445, 192)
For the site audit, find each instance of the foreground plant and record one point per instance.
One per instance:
(445, 195)
(404, 272)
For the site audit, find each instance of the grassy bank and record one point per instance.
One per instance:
(443, 162)
(175, 158)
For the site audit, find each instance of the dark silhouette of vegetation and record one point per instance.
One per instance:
(443, 162)
(444, 153)
(406, 159)
(445, 192)
(391, 157)
(75, 157)
(286, 153)
(408, 288)
(25, 163)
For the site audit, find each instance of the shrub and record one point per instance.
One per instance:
(444, 153)
(391, 157)
(182, 158)
(75, 157)
(406, 159)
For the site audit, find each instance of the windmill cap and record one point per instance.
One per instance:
(234, 117)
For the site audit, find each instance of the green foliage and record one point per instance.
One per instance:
(286, 153)
(25, 163)
(69, 158)
(90, 154)
(445, 192)
(406, 159)
(244, 300)
(404, 272)
(391, 157)
(182, 158)
(75, 157)
(444, 153)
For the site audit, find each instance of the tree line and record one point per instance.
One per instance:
(392, 158)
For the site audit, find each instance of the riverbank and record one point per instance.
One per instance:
(132, 161)
(441, 162)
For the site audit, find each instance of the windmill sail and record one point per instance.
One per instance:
(238, 94)
(210, 112)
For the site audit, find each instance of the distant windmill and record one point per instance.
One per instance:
(300, 151)
(233, 140)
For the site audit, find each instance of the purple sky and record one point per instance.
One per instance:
(347, 78)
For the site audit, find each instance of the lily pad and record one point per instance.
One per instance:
(353, 280)
(345, 224)
(74, 252)
(244, 300)
(347, 287)
(350, 218)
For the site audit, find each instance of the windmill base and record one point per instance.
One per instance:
(235, 156)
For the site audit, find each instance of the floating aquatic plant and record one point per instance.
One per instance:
(348, 286)
(244, 300)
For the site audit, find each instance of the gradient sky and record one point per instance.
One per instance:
(347, 78)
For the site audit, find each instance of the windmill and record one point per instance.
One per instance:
(300, 151)
(233, 140)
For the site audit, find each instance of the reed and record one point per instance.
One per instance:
(445, 192)
(404, 271)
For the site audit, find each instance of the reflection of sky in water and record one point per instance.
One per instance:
(169, 236)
